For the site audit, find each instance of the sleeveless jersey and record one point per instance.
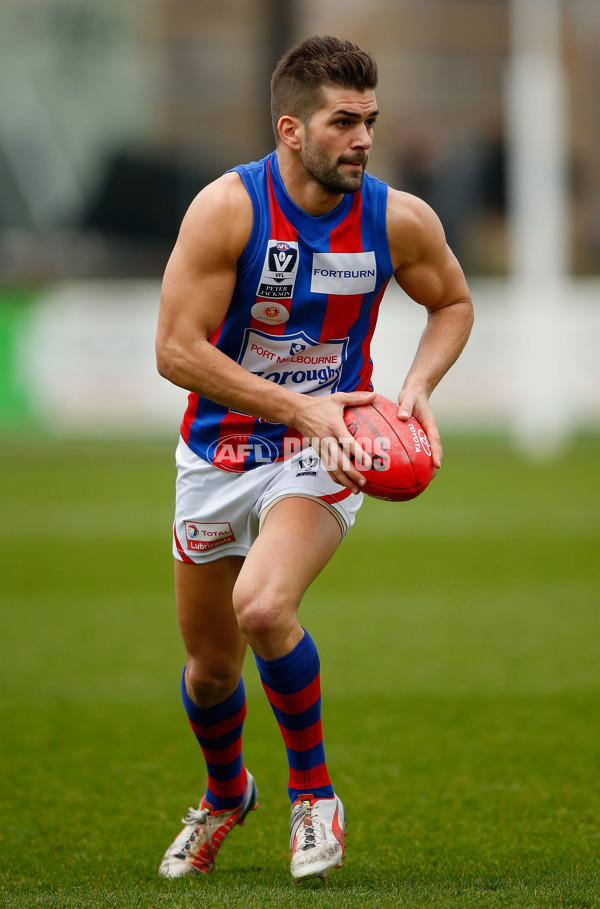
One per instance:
(302, 314)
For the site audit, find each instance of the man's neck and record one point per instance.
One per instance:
(304, 190)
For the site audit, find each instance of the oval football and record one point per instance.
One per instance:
(401, 454)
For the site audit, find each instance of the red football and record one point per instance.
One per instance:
(402, 466)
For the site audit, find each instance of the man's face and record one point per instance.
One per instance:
(338, 138)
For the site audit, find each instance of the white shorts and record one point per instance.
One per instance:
(219, 513)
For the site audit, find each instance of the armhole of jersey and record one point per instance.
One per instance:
(247, 257)
(382, 199)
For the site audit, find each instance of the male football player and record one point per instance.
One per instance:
(269, 303)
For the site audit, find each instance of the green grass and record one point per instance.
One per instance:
(461, 676)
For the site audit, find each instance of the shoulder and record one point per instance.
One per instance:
(219, 216)
(414, 230)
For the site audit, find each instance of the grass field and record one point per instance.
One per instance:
(459, 638)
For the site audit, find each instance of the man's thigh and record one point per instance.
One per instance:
(296, 540)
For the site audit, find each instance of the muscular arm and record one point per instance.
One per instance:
(198, 284)
(427, 270)
(197, 289)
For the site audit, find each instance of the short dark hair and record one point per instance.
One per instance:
(306, 68)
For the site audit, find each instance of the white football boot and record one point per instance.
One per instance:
(317, 831)
(195, 849)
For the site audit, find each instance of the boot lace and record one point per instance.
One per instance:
(303, 827)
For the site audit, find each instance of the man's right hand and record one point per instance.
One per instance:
(321, 422)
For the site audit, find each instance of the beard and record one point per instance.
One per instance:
(328, 174)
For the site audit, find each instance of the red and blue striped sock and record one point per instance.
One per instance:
(219, 733)
(293, 686)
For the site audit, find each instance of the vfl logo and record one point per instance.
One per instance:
(282, 259)
(279, 270)
(308, 466)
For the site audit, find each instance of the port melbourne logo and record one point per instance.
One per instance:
(294, 360)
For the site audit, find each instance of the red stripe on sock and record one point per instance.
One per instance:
(303, 739)
(307, 780)
(297, 702)
(228, 789)
(219, 729)
(223, 755)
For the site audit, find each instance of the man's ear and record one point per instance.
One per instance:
(290, 129)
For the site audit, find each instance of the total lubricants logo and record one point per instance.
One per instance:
(201, 536)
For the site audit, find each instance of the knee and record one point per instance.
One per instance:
(262, 615)
(211, 682)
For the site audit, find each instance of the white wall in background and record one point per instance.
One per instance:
(87, 358)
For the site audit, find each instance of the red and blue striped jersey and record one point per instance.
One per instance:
(302, 314)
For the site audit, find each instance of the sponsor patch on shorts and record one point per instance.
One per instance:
(201, 537)
(307, 466)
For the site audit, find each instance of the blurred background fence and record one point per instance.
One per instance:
(114, 115)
